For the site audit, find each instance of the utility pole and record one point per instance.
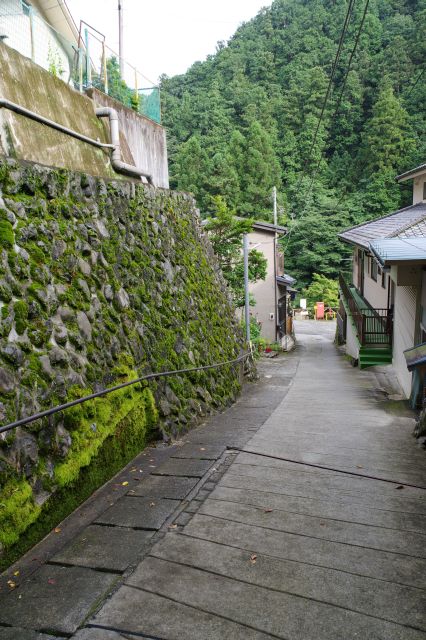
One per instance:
(246, 287)
(120, 37)
(274, 199)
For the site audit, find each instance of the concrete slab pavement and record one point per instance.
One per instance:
(326, 543)
(298, 514)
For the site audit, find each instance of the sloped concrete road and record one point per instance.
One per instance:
(310, 526)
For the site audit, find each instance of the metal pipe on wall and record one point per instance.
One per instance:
(17, 108)
(116, 161)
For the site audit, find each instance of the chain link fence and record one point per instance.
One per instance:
(89, 62)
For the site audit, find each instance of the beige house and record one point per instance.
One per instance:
(42, 30)
(383, 310)
(272, 295)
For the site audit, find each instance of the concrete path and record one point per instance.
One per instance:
(298, 514)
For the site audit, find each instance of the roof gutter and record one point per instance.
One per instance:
(116, 161)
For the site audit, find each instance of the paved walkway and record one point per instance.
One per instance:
(316, 531)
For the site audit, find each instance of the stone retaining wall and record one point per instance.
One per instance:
(100, 281)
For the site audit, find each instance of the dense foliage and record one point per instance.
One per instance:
(322, 289)
(246, 119)
(226, 233)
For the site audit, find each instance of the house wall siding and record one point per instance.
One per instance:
(264, 290)
(374, 293)
(404, 332)
(418, 188)
(352, 344)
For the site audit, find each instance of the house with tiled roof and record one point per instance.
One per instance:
(383, 308)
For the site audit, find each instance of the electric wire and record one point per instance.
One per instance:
(333, 71)
(318, 164)
(361, 26)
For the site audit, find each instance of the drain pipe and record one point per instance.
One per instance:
(6, 104)
(116, 161)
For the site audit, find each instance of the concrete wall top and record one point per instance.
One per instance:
(27, 84)
(143, 141)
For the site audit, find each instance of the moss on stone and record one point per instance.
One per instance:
(17, 510)
(20, 310)
(148, 293)
(7, 237)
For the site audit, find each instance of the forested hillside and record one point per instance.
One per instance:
(249, 117)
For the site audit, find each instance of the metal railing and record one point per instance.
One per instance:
(373, 325)
(87, 62)
(99, 394)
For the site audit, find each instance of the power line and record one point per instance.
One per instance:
(416, 81)
(339, 100)
(288, 237)
(333, 70)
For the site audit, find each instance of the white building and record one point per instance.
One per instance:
(42, 30)
(383, 309)
(272, 295)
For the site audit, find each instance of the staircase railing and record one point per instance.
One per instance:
(373, 325)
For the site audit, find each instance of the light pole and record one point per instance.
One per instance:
(274, 197)
(246, 287)
(120, 37)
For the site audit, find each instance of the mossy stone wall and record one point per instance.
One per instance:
(100, 282)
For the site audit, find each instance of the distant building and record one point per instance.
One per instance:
(42, 30)
(383, 309)
(272, 295)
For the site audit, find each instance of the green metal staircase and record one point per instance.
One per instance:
(373, 327)
(371, 356)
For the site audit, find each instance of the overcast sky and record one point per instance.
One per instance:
(166, 36)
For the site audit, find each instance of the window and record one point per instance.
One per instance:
(373, 269)
(383, 279)
(424, 190)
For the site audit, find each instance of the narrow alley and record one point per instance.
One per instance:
(303, 518)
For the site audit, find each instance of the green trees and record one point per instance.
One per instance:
(254, 109)
(322, 289)
(226, 233)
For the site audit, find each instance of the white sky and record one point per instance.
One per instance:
(166, 36)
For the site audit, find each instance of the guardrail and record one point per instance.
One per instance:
(104, 392)
(373, 325)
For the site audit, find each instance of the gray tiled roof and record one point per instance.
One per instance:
(385, 227)
(414, 230)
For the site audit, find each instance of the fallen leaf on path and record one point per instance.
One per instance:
(268, 510)
(359, 466)
(152, 504)
(51, 581)
(132, 491)
(16, 573)
(202, 449)
(253, 558)
(11, 584)
(125, 483)
(57, 529)
(172, 526)
(400, 487)
(133, 470)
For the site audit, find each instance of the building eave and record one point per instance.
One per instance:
(412, 173)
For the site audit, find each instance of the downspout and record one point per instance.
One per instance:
(116, 161)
